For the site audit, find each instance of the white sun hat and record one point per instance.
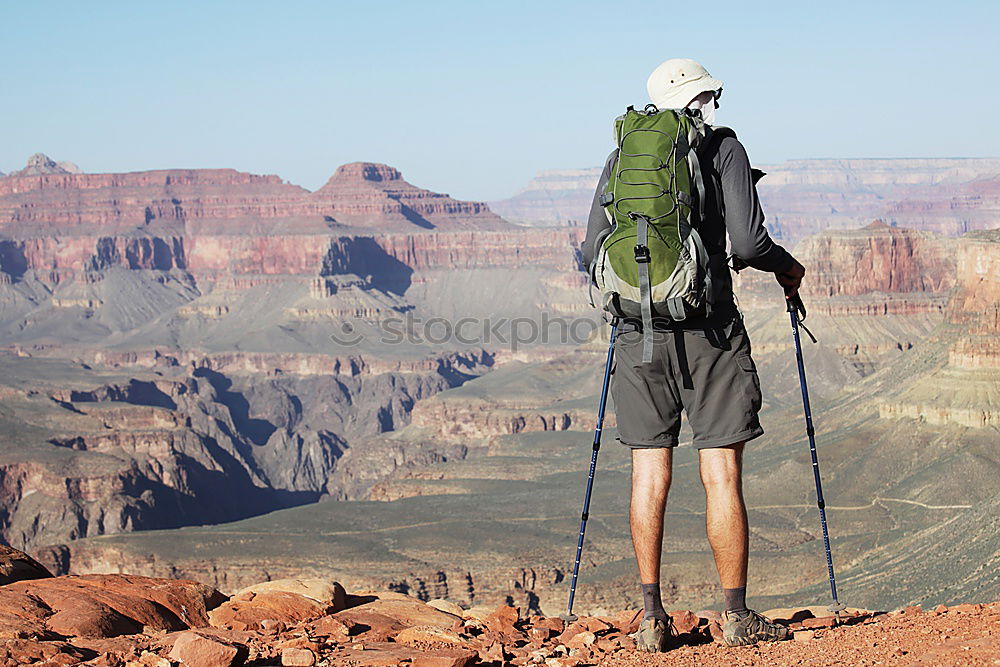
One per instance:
(677, 81)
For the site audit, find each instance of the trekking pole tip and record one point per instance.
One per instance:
(836, 608)
(569, 618)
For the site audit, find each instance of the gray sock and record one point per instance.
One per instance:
(736, 600)
(652, 605)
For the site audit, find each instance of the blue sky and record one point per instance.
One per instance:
(473, 98)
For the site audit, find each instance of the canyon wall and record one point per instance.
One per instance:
(877, 258)
(357, 195)
(963, 390)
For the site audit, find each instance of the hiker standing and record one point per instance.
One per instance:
(663, 270)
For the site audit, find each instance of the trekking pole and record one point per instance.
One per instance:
(795, 308)
(568, 616)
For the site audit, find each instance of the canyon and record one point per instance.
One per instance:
(170, 347)
(225, 377)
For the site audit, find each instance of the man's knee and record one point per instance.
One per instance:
(721, 467)
(652, 466)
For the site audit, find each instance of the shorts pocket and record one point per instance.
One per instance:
(746, 363)
(752, 380)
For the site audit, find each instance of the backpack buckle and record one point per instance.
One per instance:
(606, 198)
(641, 254)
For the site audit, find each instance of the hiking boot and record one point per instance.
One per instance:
(653, 635)
(745, 629)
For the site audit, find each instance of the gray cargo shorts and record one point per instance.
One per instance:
(708, 373)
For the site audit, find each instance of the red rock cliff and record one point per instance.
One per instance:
(221, 221)
(877, 258)
(358, 194)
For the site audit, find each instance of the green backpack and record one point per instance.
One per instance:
(652, 262)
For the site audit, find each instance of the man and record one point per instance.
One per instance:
(702, 365)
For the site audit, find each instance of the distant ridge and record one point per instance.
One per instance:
(802, 197)
(46, 194)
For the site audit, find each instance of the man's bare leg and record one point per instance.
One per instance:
(726, 519)
(651, 470)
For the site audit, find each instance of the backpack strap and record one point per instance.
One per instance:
(714, 136)
(699, 182)
(598, 243)
(645, 292)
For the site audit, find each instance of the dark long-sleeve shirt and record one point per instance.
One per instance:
(731, 210)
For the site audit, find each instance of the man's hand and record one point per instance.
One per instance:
(791, 278)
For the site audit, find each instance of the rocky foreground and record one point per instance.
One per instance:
(132, 621)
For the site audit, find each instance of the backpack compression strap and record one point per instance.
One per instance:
(645, 296)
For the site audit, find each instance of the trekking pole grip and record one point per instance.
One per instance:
(794, 305)
(797, 311)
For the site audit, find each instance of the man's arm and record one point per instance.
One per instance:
(745, 220)
(598, 220)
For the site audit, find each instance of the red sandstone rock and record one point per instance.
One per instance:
(372, 626)
(581, 639)
(552, 623)
(446, 606)
(494, 651)
(684, 621)
(786, 615)
(502, 621)
(583, 624)
(18, 652)
(628, 621)
(566, 661)
(125, 648)
(821, 622)
(328, 593)
(248, 611)
(22, 616)
(383, 654)
(271, 626)
(402, 613)
(149, 659)
(421, 635)
(462, 658)
(451, 658)
(106, 605)
(715, 631)
(297, 657)
(17, 566)
(332, 627)
(80, 617)
(196, 649)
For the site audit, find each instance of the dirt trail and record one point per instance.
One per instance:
(963, 635)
